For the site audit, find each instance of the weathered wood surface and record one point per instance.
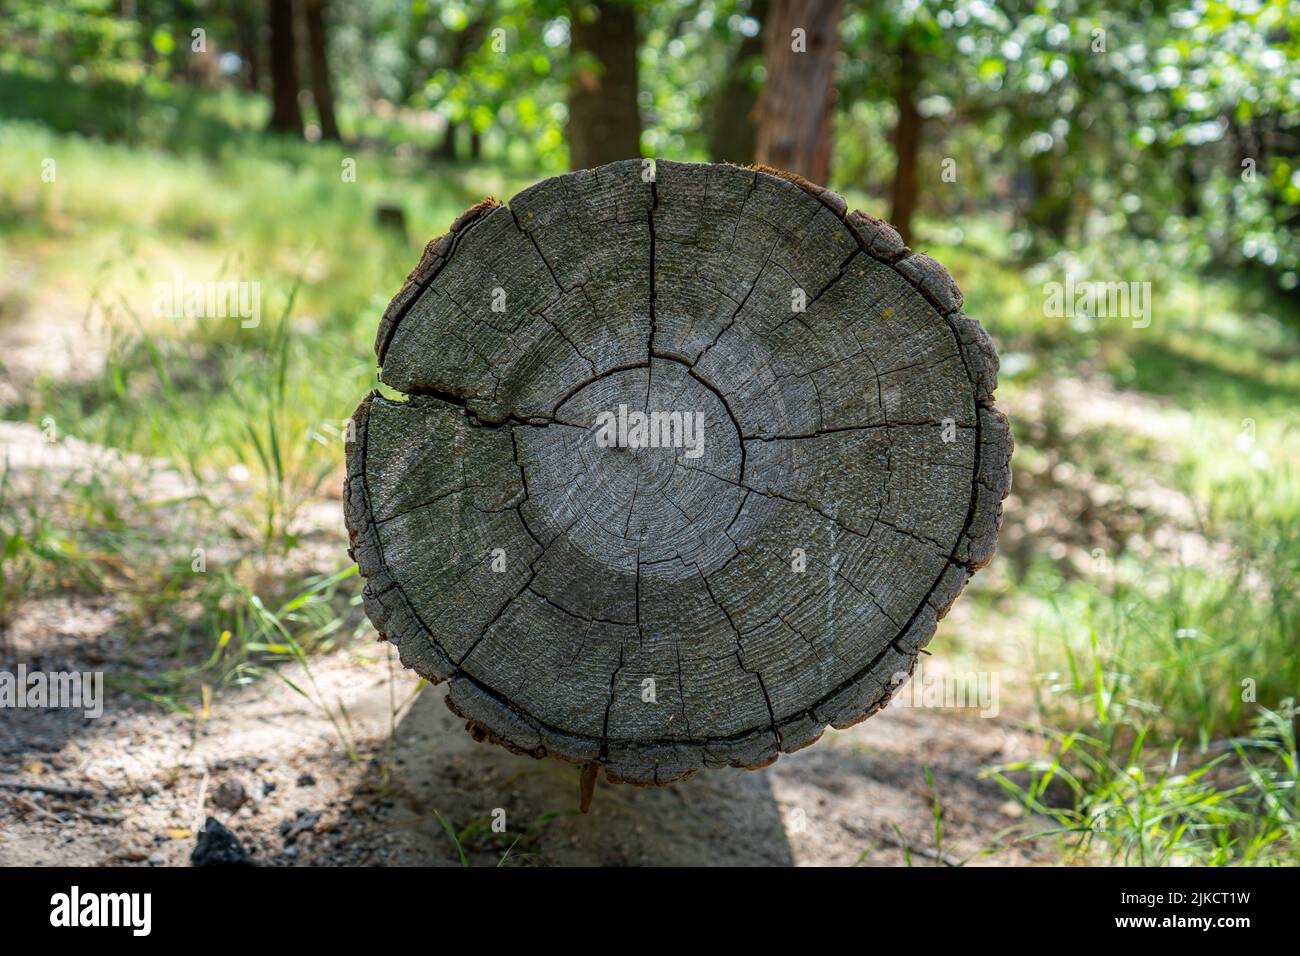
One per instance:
(648, 611)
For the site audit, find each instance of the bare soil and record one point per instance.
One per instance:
(153, 777)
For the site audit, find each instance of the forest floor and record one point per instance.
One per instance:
(857, 796)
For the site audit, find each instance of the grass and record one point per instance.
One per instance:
(1161, 686)
(489, 835)
(1149, 671)
(34, 553)
(1117, 798)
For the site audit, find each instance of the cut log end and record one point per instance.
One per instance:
(686, 471)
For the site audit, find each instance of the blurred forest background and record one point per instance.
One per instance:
(1145, 610)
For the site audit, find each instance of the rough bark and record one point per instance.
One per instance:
(604, 120)
(286, 115)
(794, 110)
(858, 434)
(318, 48)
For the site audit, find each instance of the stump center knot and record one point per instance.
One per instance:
(641, 452)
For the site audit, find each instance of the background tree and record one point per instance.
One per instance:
(467, 35)
(318, 49)
(249, 22)
(512, 87)
(794, 111)
(894, 52)
(906, 140)
(1070, 124)
(733, 134)
(604, 118)
(286, 115)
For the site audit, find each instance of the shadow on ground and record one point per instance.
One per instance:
(858, 796)
(729, 817)
(373, 785)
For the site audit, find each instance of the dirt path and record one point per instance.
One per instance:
(154, 777)
(66, 343)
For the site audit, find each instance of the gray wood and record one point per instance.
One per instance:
(861, 430)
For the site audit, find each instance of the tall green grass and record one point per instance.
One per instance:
(1167, 696)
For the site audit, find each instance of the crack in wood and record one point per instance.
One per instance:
(572, 279)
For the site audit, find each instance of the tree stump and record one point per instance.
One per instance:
(688, 464)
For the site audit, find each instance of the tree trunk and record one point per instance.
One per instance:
(248, 30)
(1188, 183)
(794, 111)
(447, 148)
(606, 583)
(907, 144)
(145, 27)
(286, 116)
(604, 120)
(732, 136)
(318, 47)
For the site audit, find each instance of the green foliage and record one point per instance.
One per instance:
(507, 77)
(1090, 119)
(1133, 807)
(1074, 119)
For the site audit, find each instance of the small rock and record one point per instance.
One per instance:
(304, 821)
(231, 795)
(156, 860)
(217, 846)
(306, 780)
(1012, 809)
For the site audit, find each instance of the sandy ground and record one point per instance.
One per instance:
(151, 779)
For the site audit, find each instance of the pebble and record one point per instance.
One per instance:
(231, 795)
